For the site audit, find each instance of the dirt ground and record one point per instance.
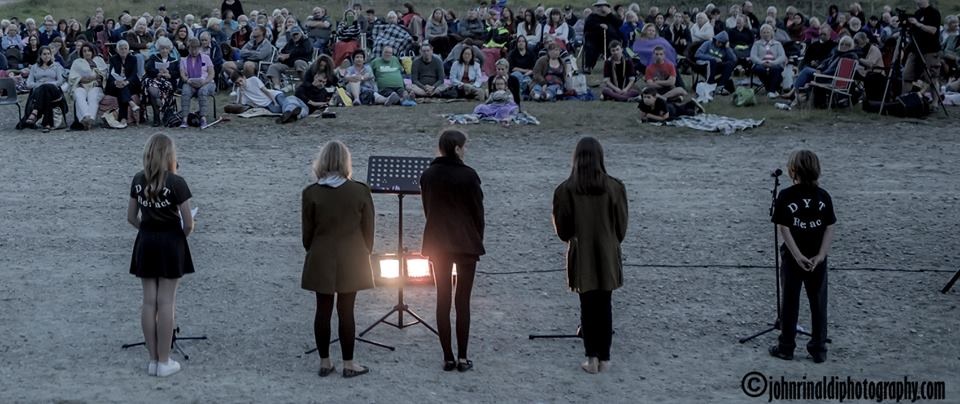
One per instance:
(697, 254)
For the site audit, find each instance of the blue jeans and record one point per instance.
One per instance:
(805, 76)
(282, 103)
(552, 90)
(294, 102)
(524, 82)
(203, 95)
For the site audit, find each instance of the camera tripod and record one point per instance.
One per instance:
(907, 40)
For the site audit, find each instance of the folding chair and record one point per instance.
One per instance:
(263, 65)
(841, 82)
(8, 95)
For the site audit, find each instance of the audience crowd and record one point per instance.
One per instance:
(134, 68)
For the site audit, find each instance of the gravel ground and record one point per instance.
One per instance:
(697, 255)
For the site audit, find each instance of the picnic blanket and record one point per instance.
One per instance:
(393, 35)
(522, 118)
(258, 112)
(714, 123)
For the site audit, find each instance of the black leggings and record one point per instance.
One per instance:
(442, 272)
(347, 327)
(596, 323)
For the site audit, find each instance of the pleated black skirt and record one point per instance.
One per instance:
(161, 251)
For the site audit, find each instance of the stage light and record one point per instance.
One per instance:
(389, 267)
(418, 267)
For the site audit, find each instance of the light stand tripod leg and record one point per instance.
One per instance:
(419, 320)
(949, 285)
(578, 334)
(771, 329)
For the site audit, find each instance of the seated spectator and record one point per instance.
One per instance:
(455, 54)
(741, 38)
(657, 109)
(768, 60)
(50, 32)
(215, 29)
(631, 28)
(556, 29)
(180, 37)
(873, 29)
(950, 42)
(661, 75)
(549, 74)
(426, 76)
(139, 39)
(466, 77)
(497, 37)
(370, 21)
(817, 51)
(361, 83)
(323, 65)
(845, 50)
(812, 32)
(239, 38)
(196, 78)
(161, 79)
(296, 54)
(795, 26)
(319, 29)
(513, 84)
(389, 76)
(642, 48)
(252, 92)
(721, 60)
(391, 34)
(281, 34)
(702, 30)
(870, 58)
(123, 81)
(44, 81)
(31, 51)
(500, 105)
(212, 49)
(413, 22)
(473, 27)
(257, 49)
(437, 33)
(530, 29)
(453, 23)
(59, 51)
(619, 76)
(314, 95)
(521, 61)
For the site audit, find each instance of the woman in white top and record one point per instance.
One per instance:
(86, 78)
(530, 29)
(556, 29)
(702, 30)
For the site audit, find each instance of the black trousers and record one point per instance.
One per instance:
(346, 327)
(442, 272)
(596, 323)
(815, 282)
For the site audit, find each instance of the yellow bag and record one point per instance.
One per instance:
(344, 97)
(407, 63)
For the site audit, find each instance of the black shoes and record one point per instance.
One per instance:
(464, 365)
(289, 116)
(818, 357)
(777, 352)
(324, 372)
(348, 373)
(449, 366)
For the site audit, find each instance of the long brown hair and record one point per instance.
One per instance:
(158, 155)
(589, 174)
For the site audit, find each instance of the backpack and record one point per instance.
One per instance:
(744, 97)
(171, 118)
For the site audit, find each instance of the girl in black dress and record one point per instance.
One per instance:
(453, 206)
(160, 209)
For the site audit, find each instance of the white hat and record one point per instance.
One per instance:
(601, 3)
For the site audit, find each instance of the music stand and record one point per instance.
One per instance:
(399, 176)
(173, 343)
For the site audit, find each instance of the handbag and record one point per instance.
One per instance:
(59, 120)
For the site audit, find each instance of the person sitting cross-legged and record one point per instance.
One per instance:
(618, 75)
(465, 76)
(661, 75)
(388, 73)
(548, 75)
(426, 75)
(768, 60)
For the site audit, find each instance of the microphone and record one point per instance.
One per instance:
(776, 173)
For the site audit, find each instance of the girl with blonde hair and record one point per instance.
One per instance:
(160, 210)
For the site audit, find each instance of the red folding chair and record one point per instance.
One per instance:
(841, 82)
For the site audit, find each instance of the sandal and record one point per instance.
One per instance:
(324, 372)
(32, 119)
(464, 365)
(348, 373)
(449, 366)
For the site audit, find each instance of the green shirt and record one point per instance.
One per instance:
(388, 74)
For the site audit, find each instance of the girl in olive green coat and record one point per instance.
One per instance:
(590, 214)
(338, 236)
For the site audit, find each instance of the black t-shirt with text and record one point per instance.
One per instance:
(165, 207)
(807, 210)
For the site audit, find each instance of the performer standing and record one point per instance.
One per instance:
(590, 215)
(805, 219)
(453, 234)
(160, 209)
(338, 225)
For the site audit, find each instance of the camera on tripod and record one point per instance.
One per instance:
(902, 14)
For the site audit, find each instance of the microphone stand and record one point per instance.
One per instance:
(776, 253)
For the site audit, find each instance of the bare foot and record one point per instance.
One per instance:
(591, 365)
